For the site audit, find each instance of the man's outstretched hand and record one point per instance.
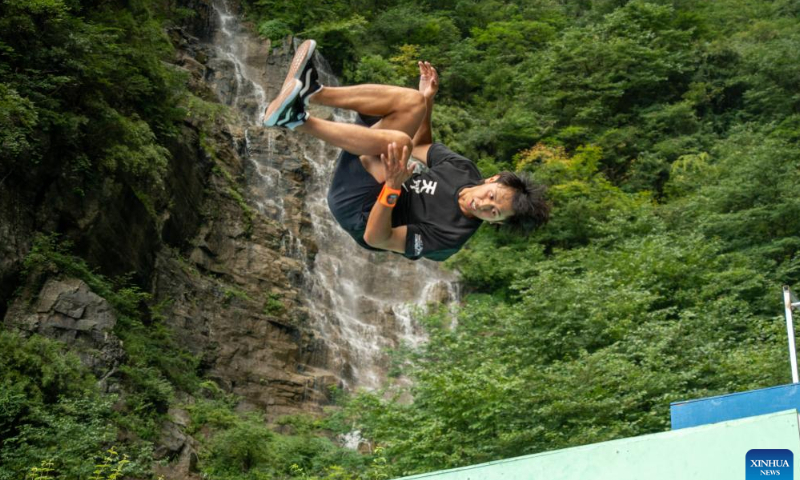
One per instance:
(396, 164)
(428, 79)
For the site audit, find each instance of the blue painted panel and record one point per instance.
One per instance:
(691, 413)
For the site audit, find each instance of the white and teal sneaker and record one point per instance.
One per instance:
(287, 108)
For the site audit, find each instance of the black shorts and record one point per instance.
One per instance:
(353, 192)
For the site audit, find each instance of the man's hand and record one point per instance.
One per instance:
(379, 232)
(428, 80)
(428, 86)
(396, 165)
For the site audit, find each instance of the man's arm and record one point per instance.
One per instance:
(428, 86)
(379, 232)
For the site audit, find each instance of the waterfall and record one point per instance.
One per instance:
(248, 95)
(359, 303)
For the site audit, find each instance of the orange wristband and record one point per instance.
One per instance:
(388, 196)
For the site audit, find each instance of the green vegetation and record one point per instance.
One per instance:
(667, 131)
(48, 400)
(54, 416)
(52, 408)
(248, 214)
(145, 337)
(110, 467)
(274, 305)
(241, 446)
(231, 293)
(83, 85)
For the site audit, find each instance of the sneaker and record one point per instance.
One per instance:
(301, 58)
(311, 84)
(287, 108)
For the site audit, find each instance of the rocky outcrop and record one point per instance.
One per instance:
(177, 451)
(67, 310)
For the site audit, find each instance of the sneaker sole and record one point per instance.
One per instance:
(301, 58)
(288, 95)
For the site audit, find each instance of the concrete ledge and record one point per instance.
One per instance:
(709, 452)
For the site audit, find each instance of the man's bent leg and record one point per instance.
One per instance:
(355, 139)
(358, 140)
(401, 108)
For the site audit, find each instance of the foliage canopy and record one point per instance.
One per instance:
(668, 132)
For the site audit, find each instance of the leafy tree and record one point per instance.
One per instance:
(50, 408)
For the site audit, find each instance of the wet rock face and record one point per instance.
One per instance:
(200, 25)
(16, 229)
(122, 234)
(109, 226)
(236, 309)
(186, 184)
(253, 274)
(312, 309)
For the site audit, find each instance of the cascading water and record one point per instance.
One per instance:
(359, 302)
(238, 84)
(248, 95)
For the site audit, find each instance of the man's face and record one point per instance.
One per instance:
(490, 202)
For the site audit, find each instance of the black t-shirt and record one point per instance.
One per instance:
(428, 206)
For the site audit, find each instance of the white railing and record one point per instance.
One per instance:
(790, 302)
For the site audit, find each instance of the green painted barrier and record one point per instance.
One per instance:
(708, 452)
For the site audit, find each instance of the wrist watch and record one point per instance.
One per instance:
(388, 196)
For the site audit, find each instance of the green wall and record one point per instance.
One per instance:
(709, 452)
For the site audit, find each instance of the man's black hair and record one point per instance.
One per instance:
(531, 208)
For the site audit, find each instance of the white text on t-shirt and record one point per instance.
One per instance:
(420, 185)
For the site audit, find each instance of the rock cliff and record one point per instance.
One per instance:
(237, 248)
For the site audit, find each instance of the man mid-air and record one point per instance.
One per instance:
(375, 195)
